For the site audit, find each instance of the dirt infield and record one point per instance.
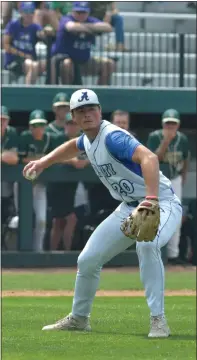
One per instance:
(105, 293)
(123, 269)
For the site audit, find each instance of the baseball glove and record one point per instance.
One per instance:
(143, 223)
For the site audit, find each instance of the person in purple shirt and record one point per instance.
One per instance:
(19, 41)
(74, 40)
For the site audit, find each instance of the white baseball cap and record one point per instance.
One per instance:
(83, 97)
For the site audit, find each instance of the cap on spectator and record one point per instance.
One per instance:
(171, 115)
(27, 7)
(61, 99)
(5, 112)
(68, 117)
(81, 6)
(37, 117)
(83, 97)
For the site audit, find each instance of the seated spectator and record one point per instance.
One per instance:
(9, 156)
(108, 12)
(74, 39)
(68, 199)
(33, 144)
(61, 107)
(19, 40)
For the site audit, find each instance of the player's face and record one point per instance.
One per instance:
(171, 126)
(72, 129)
(61, 111)
(4, 124)
(122, 121)
(80, 16)
(87, 117)
(37, 132)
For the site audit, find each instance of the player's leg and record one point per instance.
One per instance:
(106, 242)
(150, 262)
(173, 244)
(40, 206)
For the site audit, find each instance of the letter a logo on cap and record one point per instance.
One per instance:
(84, 96)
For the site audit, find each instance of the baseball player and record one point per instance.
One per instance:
(9, 156)
(33, 144)
(148, 214)
(60, 109)
(172, 149)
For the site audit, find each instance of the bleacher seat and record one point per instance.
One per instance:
(150, 42)
(154, 22)
(151, 80)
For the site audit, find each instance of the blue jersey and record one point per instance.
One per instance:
(23, 38)
(111, 157)
(76, 45)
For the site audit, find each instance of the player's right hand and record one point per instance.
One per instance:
(33, 166)
(169, 134)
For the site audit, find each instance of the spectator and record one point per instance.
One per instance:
(121, 119)
(19, 40)
(172, 149)
(67, 199)
(35, 143)
(74, 39)
(50, 12)
(60, 108)
(9, 156)
(107, 11)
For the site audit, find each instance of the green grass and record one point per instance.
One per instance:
(109, 281)
(120, 327)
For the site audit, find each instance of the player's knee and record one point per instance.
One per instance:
(86, 263)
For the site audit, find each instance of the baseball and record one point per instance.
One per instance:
(32, 176)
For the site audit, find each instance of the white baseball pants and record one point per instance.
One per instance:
(40, 209)
(173, 244)
(108, 241)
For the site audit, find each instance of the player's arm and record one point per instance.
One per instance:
(66, 151)
(150, 169)
(9, 157)
(127, 148)
(27, 159)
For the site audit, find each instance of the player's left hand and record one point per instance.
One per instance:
(143, 223)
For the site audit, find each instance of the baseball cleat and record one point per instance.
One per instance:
(70, 323)
(158, 327)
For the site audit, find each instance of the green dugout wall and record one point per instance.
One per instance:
(140, 100)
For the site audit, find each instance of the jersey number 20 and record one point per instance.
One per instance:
(124, 188)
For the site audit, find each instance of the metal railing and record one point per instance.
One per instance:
(152, 59)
